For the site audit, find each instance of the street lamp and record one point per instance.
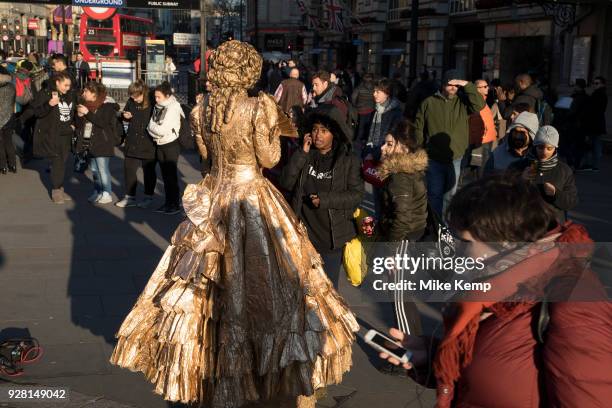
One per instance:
(203, 38)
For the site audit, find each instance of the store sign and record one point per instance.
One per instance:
(164, 4)
(99, 13)
(185, 39)
(99, 3)
(33, 24)
(275, 42)
(581, 58)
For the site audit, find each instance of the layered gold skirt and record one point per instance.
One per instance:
(239, 308)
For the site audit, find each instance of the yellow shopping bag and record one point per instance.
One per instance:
(354, 257)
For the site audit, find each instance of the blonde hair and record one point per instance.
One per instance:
(140, 88)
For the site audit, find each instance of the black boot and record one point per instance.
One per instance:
(3, 170)
(13, 169)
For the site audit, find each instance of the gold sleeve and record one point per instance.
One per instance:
(197, 128)
(266, 131)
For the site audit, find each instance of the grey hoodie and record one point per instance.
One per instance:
(7, 100)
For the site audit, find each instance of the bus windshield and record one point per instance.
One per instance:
(108, 23)
(104, 50)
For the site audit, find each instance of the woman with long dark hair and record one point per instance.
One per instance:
(96, 131)
(164, 128)
(404, 194)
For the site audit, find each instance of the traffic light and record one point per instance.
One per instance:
(17, 26)
(4, 30)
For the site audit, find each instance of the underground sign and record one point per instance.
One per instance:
(99, 13)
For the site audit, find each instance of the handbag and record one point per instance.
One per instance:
(81, 161)
(369, 173)
(354, 256)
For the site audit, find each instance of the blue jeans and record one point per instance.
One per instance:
(100, 170)
(442, 179)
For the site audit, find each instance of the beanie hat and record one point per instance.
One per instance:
(528, 121)
(450, 75)
(547, 135)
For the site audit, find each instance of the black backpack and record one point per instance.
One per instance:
(185, 136)
(352, 116)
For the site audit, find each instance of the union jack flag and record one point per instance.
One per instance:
(335, 19)
(312, 21)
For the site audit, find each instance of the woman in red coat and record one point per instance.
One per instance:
(498, 351)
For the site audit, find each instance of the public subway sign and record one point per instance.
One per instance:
(164, 4)
(99, 3)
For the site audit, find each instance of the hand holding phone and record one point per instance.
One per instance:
(388, 347)
(54, 101)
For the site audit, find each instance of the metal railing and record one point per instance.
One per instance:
(395, 14)
(456, 7)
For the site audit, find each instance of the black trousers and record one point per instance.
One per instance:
(130, 168)
(27, 133)
(167, 156)
(8, 156)
(58, 163)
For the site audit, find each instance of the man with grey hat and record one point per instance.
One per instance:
(519, 138)
(442, 127)
(554, 178)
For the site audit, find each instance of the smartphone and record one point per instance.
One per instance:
(384, 344)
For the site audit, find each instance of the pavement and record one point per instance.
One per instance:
(70, 273)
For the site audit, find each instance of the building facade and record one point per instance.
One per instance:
(277, 26)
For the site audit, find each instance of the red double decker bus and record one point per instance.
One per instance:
(120, 36)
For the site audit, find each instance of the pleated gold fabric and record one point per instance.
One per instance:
(239, 309)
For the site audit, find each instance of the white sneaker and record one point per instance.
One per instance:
(146, 202)
(94, 197)
(128, 201)
(105, 198)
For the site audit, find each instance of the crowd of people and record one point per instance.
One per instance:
(417, 146)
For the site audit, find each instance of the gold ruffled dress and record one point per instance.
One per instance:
(239, 308)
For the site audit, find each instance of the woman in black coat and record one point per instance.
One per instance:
(96, 129)
(404, 194)
(325, 182)
(139, 146)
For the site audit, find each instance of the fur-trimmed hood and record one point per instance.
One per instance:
(403, 163)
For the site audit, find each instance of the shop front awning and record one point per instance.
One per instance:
(393, 51)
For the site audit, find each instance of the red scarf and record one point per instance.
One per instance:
(457, 346)
(93, 106)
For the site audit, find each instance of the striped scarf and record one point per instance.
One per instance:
(543, 165)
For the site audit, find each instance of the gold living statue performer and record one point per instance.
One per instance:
(239, 310)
